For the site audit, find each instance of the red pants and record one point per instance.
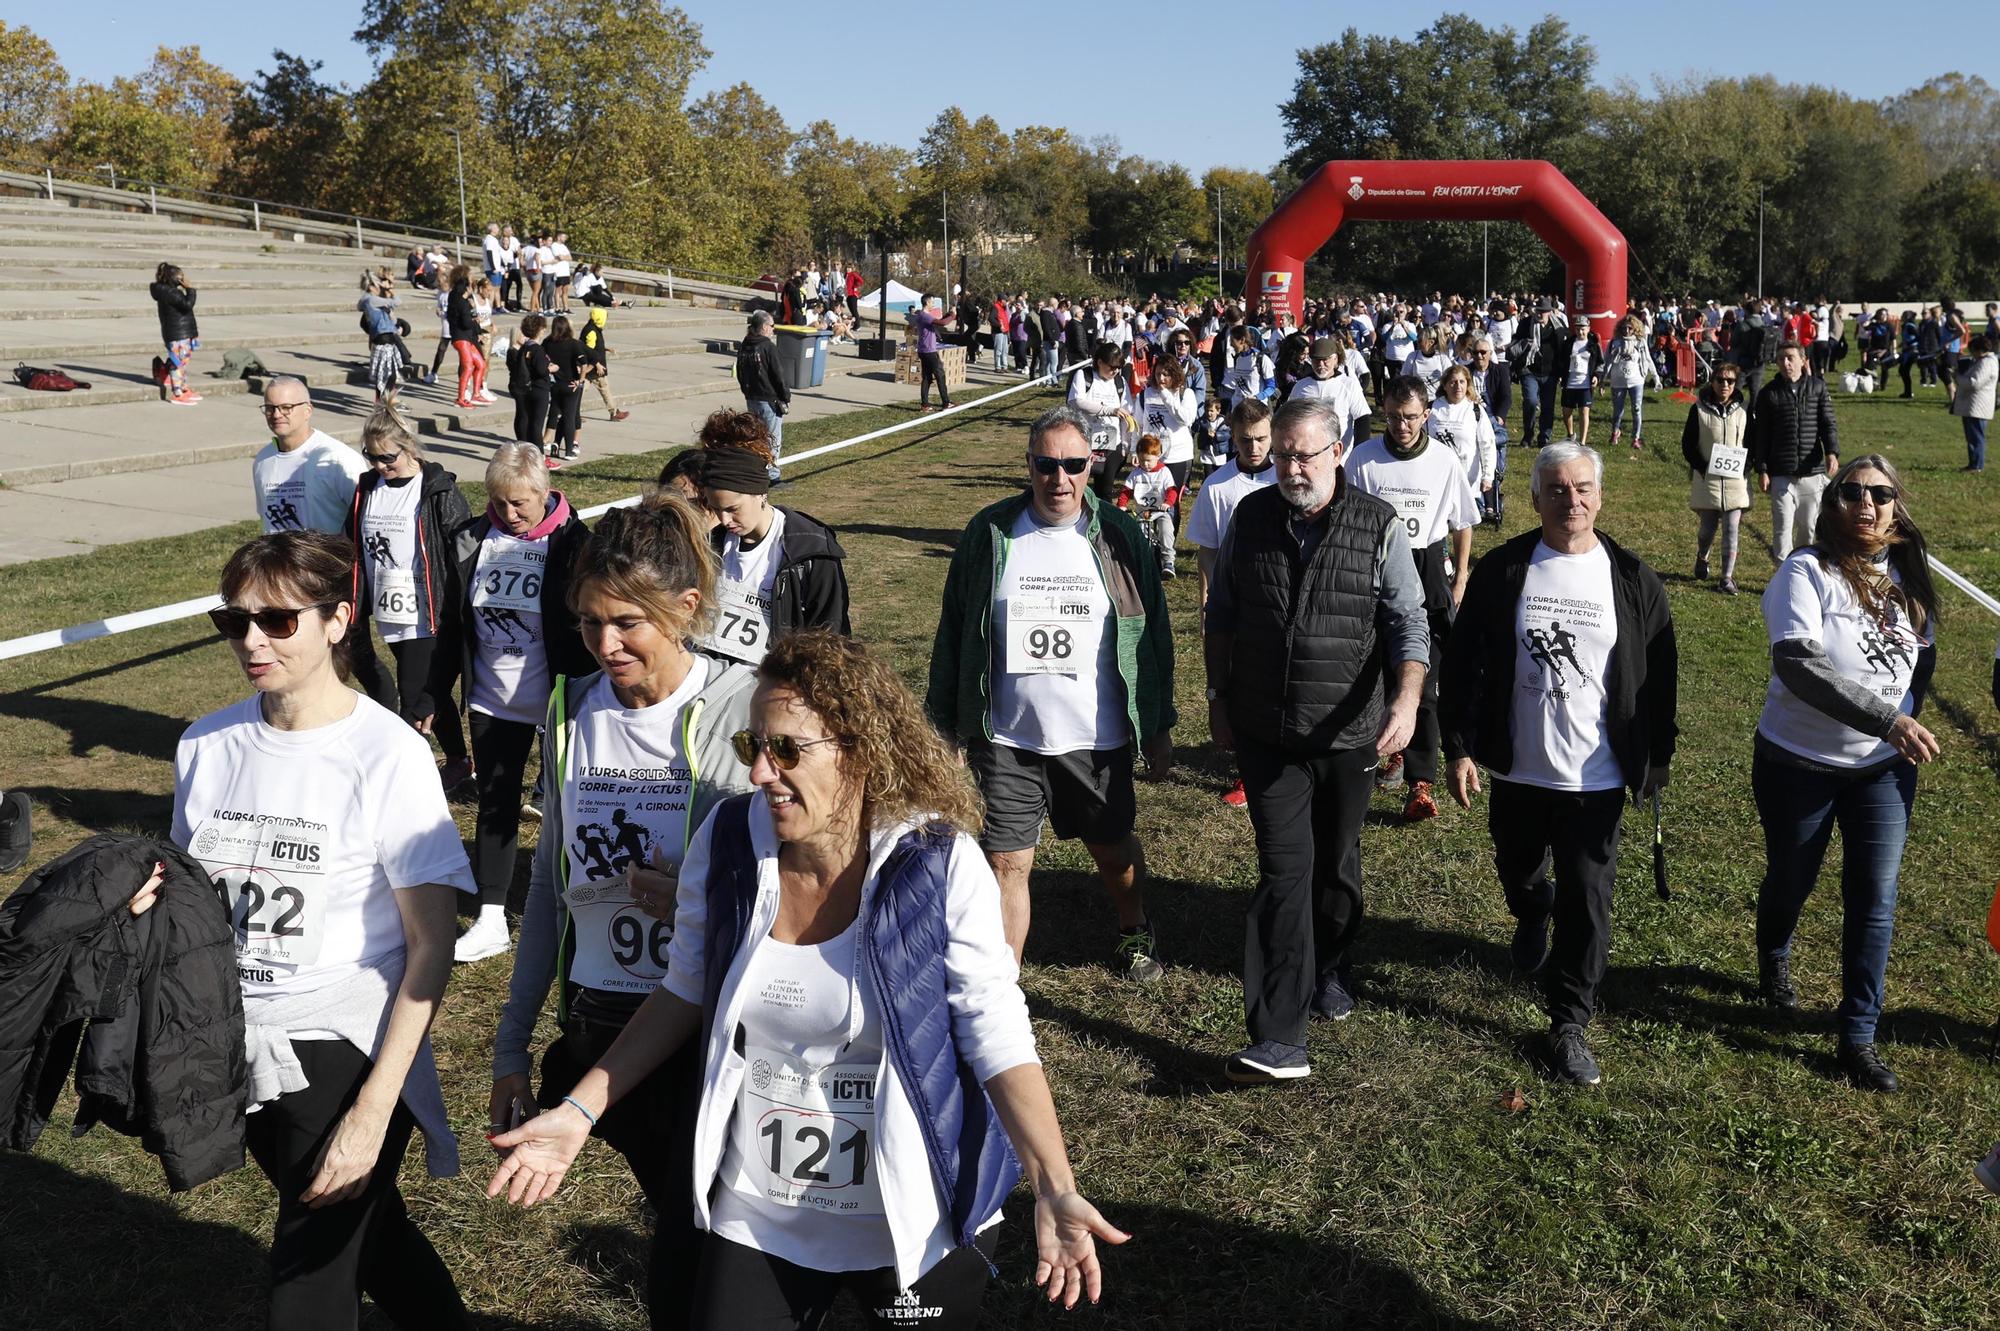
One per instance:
(471, 370)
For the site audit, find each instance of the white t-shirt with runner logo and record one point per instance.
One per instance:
(744, 586)
(1565, 627)
(510, 667)
(1215, 503)
(1056, 687)
(1429, 491)
(1806, 602)
(1344, 391)
(389, 558)
(308, 833)
(625, 795)
(310, 488)
(1103, 401)
(799, 1177)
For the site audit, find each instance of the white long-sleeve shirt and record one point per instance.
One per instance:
(1467, 430)
(1169, 416)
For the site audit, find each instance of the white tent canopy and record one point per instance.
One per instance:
(897, 296)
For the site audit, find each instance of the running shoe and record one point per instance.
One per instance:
(1267, 1061)
(184, 400)
(1137, 956)
(1334, 997)
(1422, 803)
(531, 810)
(455, 774)
(621, 415)
(1235, 797)
(1389, 772)
(486, 938)
(1987, 1171)
(1570, 1058)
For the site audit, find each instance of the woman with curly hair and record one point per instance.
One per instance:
(870, 1091)
(1852, 621)
(778, 570)
(634, 757)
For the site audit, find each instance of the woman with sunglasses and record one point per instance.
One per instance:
(1714, 443)
(318, 814)
(635, 755)
(1852, 620)
(513, 633)
(777, 570)
(870, 1091)
(405, 511)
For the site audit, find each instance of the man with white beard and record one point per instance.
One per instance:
(1316, 644)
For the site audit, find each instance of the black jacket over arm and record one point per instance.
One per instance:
(1476, 687)
(148, 1006)
(757, 371)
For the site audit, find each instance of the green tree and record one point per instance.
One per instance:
(32, 86)
(198, 95)
(291, 137)
(748, 202)
(852, 191)
(112, 126)
(1832, 236)
(1955, 121)
(1951, 243)
(1246, 202)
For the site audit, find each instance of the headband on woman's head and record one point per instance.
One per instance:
(735, 469)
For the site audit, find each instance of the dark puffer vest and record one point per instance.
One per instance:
(1306, 663)
(904, 935)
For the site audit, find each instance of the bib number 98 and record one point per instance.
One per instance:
(1046, 644)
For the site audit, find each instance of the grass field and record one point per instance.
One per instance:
(1720, 1177)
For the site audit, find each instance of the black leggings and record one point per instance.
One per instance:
(531, 414)
(322, 1260)
(422, 686)
(565, 409)
(741, 1289)
(652, 1126)
(500, 761)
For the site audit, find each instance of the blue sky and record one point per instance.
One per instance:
(1199, 89)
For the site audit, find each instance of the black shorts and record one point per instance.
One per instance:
(1577, 397)
(1087, 796)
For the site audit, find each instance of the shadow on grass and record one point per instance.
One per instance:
(941, 540)
(1184, 1269)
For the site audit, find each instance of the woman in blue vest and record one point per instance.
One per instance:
(846, 1137)
(633, 758)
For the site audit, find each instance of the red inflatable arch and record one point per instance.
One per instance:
(1536, 193)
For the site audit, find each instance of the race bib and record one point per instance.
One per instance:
(742, 625)
(619, 947)
(271, 875)
(1046, 635)
(395, 597)
(812, 1133)
(1103, 437)
(1727, 460)
(509, 577)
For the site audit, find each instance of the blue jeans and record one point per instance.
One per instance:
(768, 413)
(1975, 441)
(1538, 409)
(999, 351)
(1798, 809)
(1051, 360)
(1636, 397)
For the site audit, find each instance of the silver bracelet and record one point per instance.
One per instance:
(577, 1105)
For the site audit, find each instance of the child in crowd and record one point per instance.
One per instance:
(1149, 495)
(1211, 437)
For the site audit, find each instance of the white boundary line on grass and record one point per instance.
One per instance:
(166, 614)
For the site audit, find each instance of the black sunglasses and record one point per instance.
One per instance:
(234, 624)
(381, 459)
(1049, 466)
(784, 750)
(1851, 492)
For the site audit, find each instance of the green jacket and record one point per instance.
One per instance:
(960, 697)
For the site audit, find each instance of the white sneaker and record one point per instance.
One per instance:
(487, 938)
(485, 397)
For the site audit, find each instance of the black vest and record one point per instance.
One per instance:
(1306, 665)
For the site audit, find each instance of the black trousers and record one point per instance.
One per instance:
(531, 414)
(323, 1260)
(933, 372)
(1306, 810)
(565, 410)
(741, 1289)
(652, 1126)
(1575, 835)
(510, 289)
(500, 752)
(1420, 758)
(424, 678)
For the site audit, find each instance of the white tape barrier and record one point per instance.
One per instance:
(1957, 579)
(166, 614)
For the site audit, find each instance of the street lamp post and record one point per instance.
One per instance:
(1760, 241)
(458, 146)
(1218, 240)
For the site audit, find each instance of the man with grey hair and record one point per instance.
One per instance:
(1560, 678)
(1316, 645)
(765, 393)
(1052, 666)
(1493, 379)
(304, 480)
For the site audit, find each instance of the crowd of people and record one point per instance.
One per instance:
(779, 902)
